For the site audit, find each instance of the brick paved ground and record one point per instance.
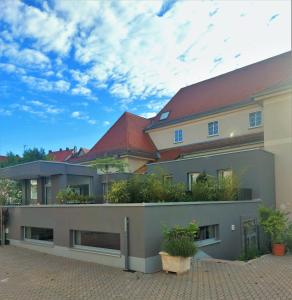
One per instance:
(29, 275)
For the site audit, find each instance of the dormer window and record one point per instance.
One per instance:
(164, 115)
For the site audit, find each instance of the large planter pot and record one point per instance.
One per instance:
(278, 249)
(176, 264)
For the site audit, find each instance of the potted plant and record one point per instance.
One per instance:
(274, 223)
(178, 248)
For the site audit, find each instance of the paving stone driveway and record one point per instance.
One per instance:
(29, 275)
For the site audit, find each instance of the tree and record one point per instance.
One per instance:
(28, 156)
(108, 164)
(34, 154)
(10, 192)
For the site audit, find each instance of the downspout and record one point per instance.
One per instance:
(126, 243)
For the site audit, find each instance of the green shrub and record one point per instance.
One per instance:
(180, 241)
(182, 247)
(274, 223)
(119, 192)
(251, 253)
(227, 188)
(69, 196)
(146, 188)
(289, 238)
(152, 188)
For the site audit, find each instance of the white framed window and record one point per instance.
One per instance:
(255, 119)
(164, 115)
(213, 128)
(178, 136)
(33, 190)
(192, 177)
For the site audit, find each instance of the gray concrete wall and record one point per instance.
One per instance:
(255, 169)
(145, 225)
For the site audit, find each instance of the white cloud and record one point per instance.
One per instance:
(82, 116)
(76, 114)
(106, 123)
(37, 108)
(48, 31)
(5, 112)
(81, 90)
(46, 85)
(135, 53)
(148, 115)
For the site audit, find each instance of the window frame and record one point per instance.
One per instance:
(164, 115)
(213, 127)
(256, 119)
(209, 241)
(35, 241)
(175, 140)
(190, 184)
(100, 250)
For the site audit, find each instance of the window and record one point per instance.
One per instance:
(41, 235)
(192, 177)
(208, 233)
(48, 190)
(82, 189)
(178, 136)
(33, 190)
(255, 119)
(164, 115)
(224, 173)
(167, 179)
(94, 241)
(213, 128)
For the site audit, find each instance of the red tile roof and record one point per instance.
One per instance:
(126, 136)
(175, 153)
(227, 89)
(61, 155)
(3, 158)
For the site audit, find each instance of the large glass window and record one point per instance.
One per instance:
(213, 128)
(255, 119)
(33, 190)
(178, 136)
(92, 240)
(45, 235)
(82, 189)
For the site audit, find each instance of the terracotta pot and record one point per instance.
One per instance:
(177, 264)
(278, 249)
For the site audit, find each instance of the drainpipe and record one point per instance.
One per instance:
(126, 243)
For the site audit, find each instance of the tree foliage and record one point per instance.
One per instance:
(28, 156)
(10, 192)
(108, 164)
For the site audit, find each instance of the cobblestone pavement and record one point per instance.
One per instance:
(29, 275)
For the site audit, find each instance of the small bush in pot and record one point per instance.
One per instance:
(178, 247)
(274, 223)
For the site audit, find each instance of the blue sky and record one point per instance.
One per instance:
(69, 69)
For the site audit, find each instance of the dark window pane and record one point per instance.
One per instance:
(97, 239)
(40, 234)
